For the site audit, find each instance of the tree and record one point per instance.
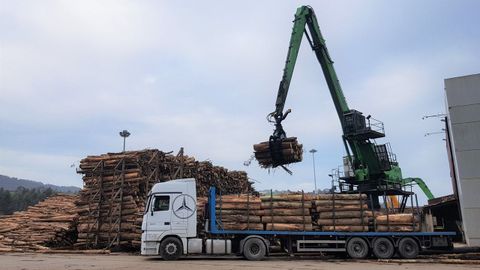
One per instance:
(21, 198)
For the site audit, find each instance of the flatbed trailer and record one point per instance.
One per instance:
(356, 244)
(169, 229)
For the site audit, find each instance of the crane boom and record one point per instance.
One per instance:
(305, 16)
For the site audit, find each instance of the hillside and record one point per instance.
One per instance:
(12, 183)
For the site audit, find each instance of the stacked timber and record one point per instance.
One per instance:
(238, 212)
(341, 212)
(280, 152)
(201, 213)
(116, 186)
(287, 212)
(48, 224)
(397, 223)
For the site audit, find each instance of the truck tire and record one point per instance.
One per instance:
(383, 248)
(171, 248)
(408, 248)
(357, 248)
(254, 249)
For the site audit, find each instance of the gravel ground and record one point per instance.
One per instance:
(32, 261)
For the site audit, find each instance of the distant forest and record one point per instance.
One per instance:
(21, 198)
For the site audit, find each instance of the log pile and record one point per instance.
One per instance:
(238, 212)
(116, 185)
(341, 212)
(280, 152)
(287, 212)
(397, 223)
(48, 224)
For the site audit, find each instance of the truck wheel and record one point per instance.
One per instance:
(408, 248)
(357, 248)
(383, 248)
(254, 249)
(170, 248)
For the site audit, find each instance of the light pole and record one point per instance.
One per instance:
(124, 134)
(333, 183)
(313, 151)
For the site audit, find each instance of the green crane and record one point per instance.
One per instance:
(374, 168)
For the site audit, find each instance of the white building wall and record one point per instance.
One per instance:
(463, 101)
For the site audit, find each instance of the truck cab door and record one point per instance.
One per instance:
(159, 217)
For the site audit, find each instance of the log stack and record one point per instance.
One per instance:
(48, 224)
(397, 223)
(116, 185)
(275, 153)
(238, 212)
(287, 212)
(201, 213)
(341, 212)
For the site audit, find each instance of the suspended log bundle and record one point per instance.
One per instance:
(238, 212)
(116, 185)
(287, 212)
(397, 223)
(48, 224)
(280, 152)
(341, 212)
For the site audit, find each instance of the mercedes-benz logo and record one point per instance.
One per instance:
(184, 206)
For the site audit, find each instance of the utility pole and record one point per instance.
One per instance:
(313, 151)
(124, 134)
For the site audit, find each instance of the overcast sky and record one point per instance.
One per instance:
(204, 75)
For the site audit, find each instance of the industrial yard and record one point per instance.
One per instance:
(145, 124)
(122, 261)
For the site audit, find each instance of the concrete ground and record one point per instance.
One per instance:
(31, 261)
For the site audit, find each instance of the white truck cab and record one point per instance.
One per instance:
(170, 218)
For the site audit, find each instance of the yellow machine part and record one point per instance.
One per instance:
(392, 202)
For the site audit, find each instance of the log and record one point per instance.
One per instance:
(337, 202)
(339, 196)
(287, 205)
(142, 170)
(252, 200)
(287, 197)
(287, 219)
(284, 212)
(265, 147)
(345, 214)
(345, 228)
(50, 223)
(288, 227)
(237, 206)
(397, 228)
(289, 150)
(240, 218)
(241, 226)
(329, 208)
(343, 221)
(397, 219)
(227, 212)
